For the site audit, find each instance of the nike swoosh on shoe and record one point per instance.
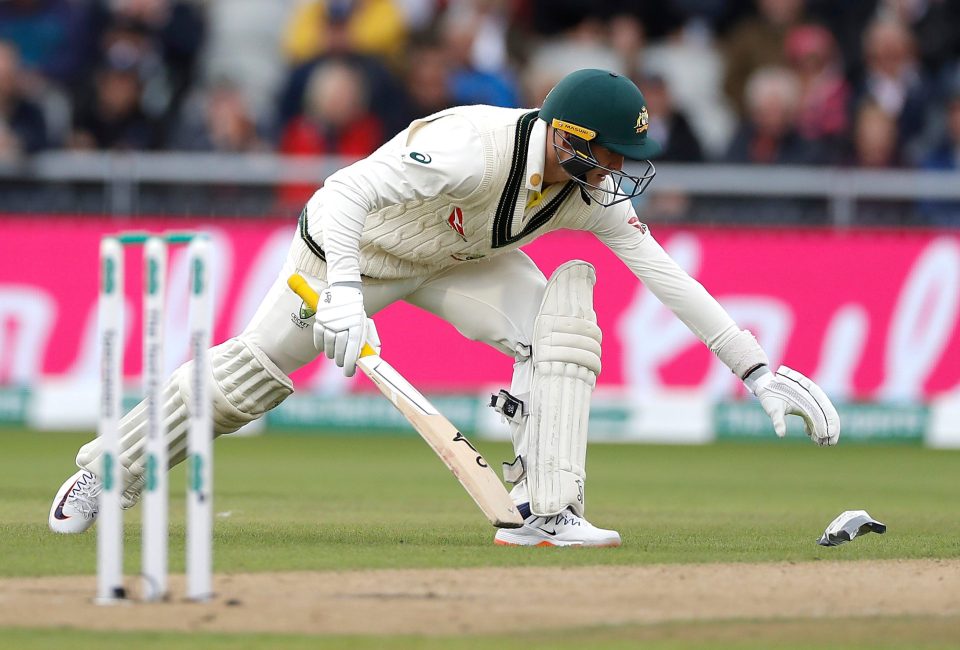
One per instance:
(58, 513)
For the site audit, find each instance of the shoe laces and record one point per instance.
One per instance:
(83, 496)
(568, 518)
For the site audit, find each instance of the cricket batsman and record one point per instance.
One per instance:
(436, 217)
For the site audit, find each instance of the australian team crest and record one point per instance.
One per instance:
(643, 120)
(300, 320)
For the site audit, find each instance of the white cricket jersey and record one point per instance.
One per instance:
(464, 185)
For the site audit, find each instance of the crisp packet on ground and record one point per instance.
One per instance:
(848, 525)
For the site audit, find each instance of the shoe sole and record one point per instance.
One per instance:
(548, 543)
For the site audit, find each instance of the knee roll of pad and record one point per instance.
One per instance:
(246, 384)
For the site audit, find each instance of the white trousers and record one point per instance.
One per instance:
(494, 301)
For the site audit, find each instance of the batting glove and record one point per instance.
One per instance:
(790, 393)
(341, 325)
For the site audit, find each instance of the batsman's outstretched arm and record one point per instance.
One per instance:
(453, 448)
(786, 392)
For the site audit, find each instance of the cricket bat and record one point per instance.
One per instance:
(453, 448)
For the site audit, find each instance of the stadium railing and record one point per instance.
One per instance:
(246, 185)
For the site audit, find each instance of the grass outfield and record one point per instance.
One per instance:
(299, 503)
(841, 634)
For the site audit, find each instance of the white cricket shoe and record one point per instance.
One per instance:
(75, 507)
(564, 529)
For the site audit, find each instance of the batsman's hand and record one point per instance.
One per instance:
(341, 325)
(788, 392)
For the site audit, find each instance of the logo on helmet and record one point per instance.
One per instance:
(643, 120)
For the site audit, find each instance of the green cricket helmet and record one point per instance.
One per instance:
(590, 107)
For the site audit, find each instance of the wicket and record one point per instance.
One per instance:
(155, 527)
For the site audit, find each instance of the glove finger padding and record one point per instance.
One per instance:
(790, 392)
(352, 342)
(776, 408)
(340, 324)
(328, 342)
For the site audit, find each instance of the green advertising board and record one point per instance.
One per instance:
(859, 422)
(13, 405)
(362, 413)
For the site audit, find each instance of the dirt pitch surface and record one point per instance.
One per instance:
(499, 600)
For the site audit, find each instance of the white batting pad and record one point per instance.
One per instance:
(566, 358)
(132, 432)
(246, 384)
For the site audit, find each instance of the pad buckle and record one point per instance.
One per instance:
(507, 405)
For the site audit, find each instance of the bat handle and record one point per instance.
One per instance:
(300, 287)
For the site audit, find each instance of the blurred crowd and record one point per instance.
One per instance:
(869, 83)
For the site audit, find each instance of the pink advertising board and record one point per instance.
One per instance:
(868, 314)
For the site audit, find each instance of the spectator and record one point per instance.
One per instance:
(757, 42)
(668, 126)
(112, 117)
(893, 79)
(628, 38)
(383, 89)
(946, 153)
(427, 80)
(935, 25)
(167, 36)
(876, 145)
(336, 121)
(769, 133)
(418, 15)
(374, 27)
(220, 120)
(823, 114)
(244, 45)
(474, 34)
(582, 45)
(945, 156)
(875, 142)
(553, 18)
(691, 64)
(22, 126)
(51, 35)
